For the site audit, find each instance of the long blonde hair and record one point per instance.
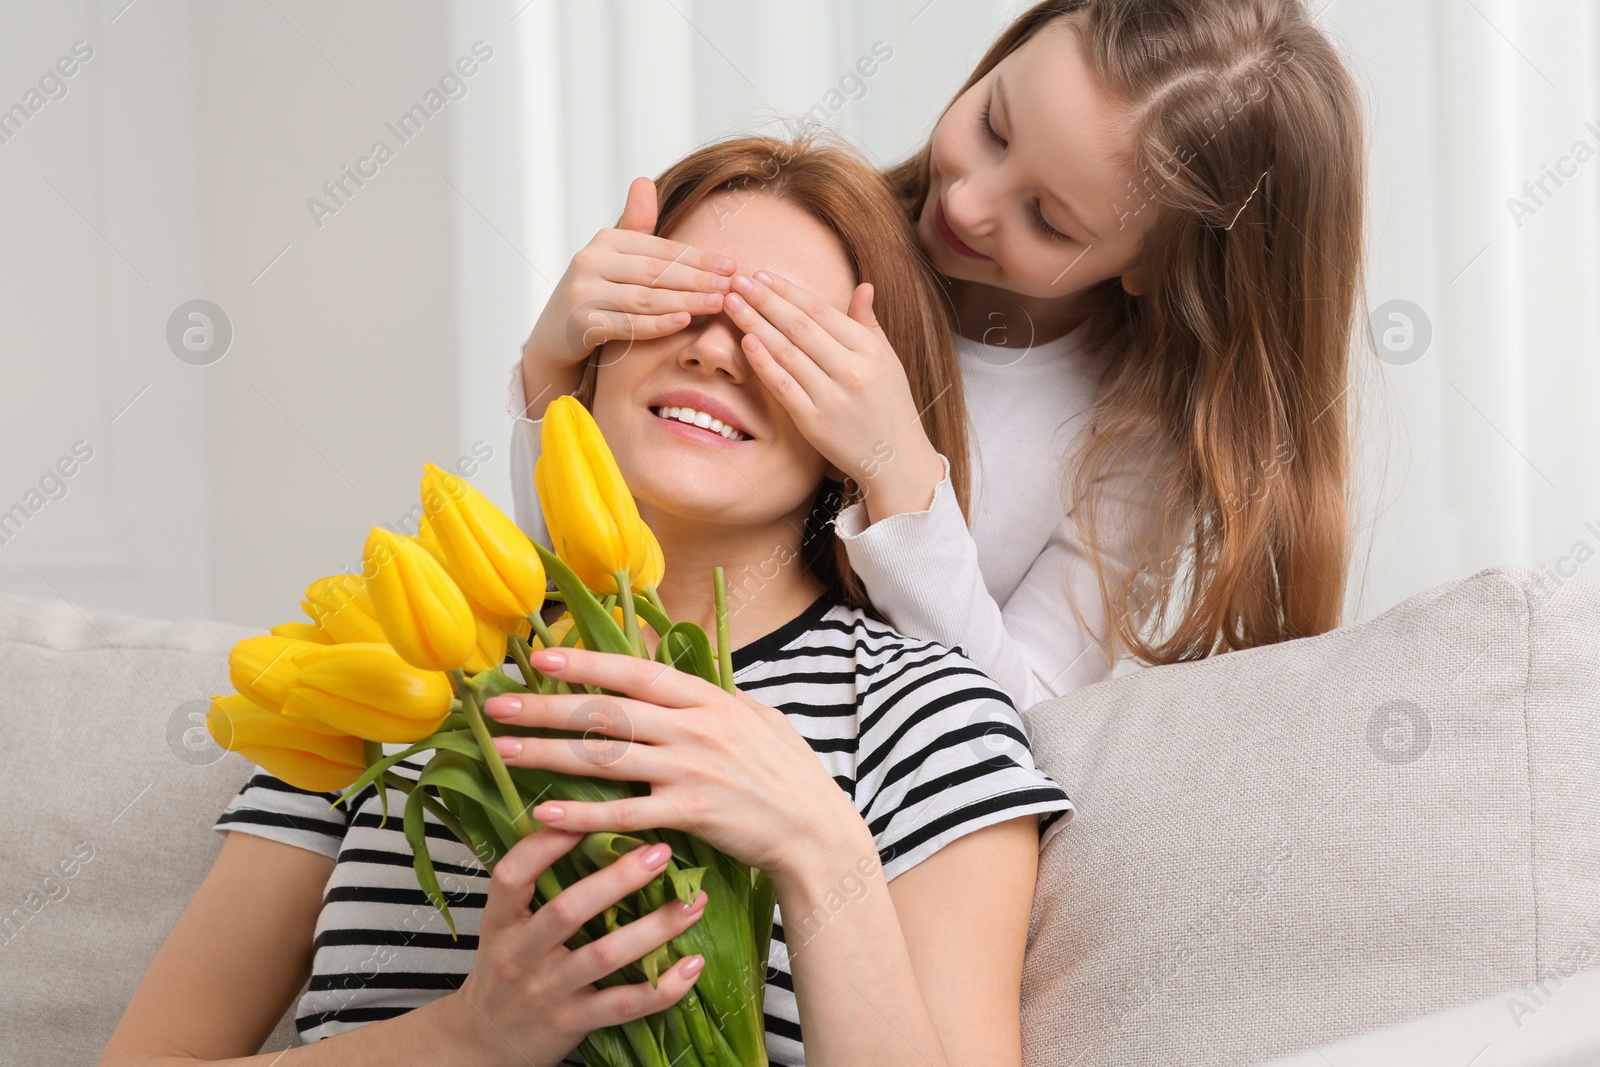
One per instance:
(1223, 384)
(843, 192)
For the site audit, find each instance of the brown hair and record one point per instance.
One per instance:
(844, 193)
(1223, 383)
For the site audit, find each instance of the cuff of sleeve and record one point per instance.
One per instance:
(852, 524)
(516, 397)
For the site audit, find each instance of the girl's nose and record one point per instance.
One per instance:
(969, 203)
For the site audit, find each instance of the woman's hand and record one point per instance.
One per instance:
(723, 767)
(529, 999)
(844, 386)
(627, 284)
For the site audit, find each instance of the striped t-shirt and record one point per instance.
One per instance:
(925, 744)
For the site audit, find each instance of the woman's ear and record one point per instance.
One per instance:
(1133, 282)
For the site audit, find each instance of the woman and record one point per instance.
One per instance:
(1146, 216)
(882, 782)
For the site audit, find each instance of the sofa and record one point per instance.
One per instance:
(1378, 845)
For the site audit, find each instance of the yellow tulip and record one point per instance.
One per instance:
(489, 557)
(368, 691)
(593, 521)
(300, 631)
(262, 668)
(303, 757)
(341, 608)
(490, 649)
(423, 613)
(655, 566)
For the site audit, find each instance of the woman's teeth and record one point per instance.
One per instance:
(702, 420)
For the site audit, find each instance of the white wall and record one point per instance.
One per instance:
(179, 164)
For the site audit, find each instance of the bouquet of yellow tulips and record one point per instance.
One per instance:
(408, 651)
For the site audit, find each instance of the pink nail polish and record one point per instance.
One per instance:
(501, 707)
(508, 747)
(548, 659)
(655, 857)
(691, 966)
(549, 812)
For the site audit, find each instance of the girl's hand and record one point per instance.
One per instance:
(840, 380)
(529, 999)
(626, 283)
(723, 767)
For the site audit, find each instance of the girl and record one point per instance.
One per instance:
(1146, 217)
(857, 767)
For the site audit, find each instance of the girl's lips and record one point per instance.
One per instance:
(950, 238)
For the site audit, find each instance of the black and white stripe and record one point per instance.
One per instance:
(928, 748)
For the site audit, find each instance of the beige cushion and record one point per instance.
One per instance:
(108, 787)
(1286, 846)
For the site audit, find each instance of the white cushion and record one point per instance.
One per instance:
(1284, 846)
(108, 787)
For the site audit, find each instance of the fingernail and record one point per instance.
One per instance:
(712, 301)
(692, 965)
(696, 904)
(725, 263)
(763, 277)
(742, 284)
(508, 747)
(501, 707)
(721, 284)
(549, 812)
(548, 659)
(735, 302)
(655, 857)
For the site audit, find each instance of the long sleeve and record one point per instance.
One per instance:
(525, 445)
(921, 570)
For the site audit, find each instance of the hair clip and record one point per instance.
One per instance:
(1247, 200)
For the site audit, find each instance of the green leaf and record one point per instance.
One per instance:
(481, 837)
(678, 1043)
(421, 862)
(600, 631)
(604, 848)
(456, 740)
(686, 882)
(493, 682)
(464, 775)
(654, 616)
(608, 1048)
(642, 1040)
(689, 649)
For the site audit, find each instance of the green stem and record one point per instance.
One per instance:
(630, 617)
(491, 755)
(519, 652)
(724, 649)
(542, 630)
(655, 598)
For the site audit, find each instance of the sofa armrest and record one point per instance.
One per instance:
(1554, 1023)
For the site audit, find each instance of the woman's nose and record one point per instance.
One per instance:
(717, 347)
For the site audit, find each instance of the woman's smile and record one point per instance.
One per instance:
(698, 416)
